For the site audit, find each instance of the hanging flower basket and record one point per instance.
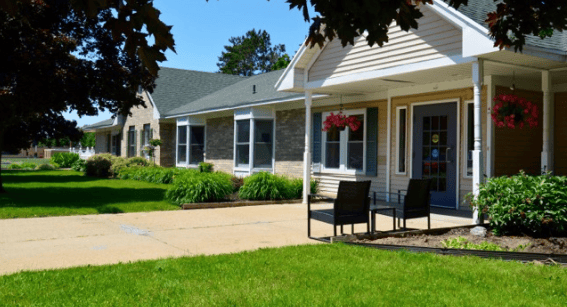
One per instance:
(512, 111)
(341, 121)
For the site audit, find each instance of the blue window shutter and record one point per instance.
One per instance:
(371, 141)
(316, 137)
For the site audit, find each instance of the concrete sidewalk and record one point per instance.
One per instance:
(61, 242)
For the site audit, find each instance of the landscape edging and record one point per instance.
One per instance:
(245, 203)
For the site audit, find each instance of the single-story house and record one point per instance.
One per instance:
(424, 100)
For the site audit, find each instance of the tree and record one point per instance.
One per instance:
(82, 55)
(282, 62)
(250, 54)
(509, 25)
(88, 140)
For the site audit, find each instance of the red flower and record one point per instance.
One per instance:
(341, 121)
(511, 111)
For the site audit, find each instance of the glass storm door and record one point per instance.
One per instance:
(434, 153)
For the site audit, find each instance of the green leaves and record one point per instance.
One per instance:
(536, 205)
(191, 186)
(265, 186)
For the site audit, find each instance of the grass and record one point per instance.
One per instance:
(309, 275)
(57, 193)
(8, 161)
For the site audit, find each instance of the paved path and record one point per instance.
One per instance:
(59, 242)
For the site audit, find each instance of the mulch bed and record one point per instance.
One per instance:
(552, 245)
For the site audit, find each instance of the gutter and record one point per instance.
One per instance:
(245, 106)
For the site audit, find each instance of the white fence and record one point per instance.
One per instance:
(83, 153)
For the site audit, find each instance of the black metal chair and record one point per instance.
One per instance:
(351, 206)
(416, 202)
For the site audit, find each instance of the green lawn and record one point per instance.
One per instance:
(8, 161)
(54, 193)
(309, 275)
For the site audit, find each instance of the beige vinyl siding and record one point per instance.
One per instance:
(435, 38)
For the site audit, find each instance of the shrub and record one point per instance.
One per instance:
(118, 164)
(535, 205)
(98, 166)
(205, 167)
(264, 186)
(45, 167)
(139, 161)
(28, 165)
(79, 166)
(237, 183)
(64, 159)
(14, 166)
(195, 187)
(154, 174)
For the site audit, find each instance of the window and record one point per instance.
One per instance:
(113, 145)
(197, 144)
(146, 135)
(242, 143)
(355, 154)
(263, 143)
(132, 141)
(470, 140)
(344, 150)
(108, 142)
(401, 122)
(181, 144)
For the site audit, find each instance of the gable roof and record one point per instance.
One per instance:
(177, 87)
(477, 10)
(102, 124)
(239, 94)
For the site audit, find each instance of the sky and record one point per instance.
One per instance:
(201, 29)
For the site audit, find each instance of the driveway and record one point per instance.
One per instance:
(60, 242)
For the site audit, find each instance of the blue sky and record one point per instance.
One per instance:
(201, 29)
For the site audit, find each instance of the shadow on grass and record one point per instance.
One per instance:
(81, 200)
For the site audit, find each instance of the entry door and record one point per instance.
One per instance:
(434, 151)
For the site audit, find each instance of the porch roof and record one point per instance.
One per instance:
(99, 125)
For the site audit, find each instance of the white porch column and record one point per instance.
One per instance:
(546, 160)
(307, 154)
(478, 169)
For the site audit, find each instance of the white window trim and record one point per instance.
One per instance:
(343, 146)
(465, 136)
(189, 122)
(398, 111)
(251, 144)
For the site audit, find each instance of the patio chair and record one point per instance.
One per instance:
(416, 202)
(351, 206)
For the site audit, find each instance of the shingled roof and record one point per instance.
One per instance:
(102, 124)
(177, 87)
(477, 10)
(239, 94)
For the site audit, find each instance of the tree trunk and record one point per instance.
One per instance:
(2, 190)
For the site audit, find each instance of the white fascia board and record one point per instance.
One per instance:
(156, 111)
(375, 74)
(288, 73)
(475, 37)
(246, 106)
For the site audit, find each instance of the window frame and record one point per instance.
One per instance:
(189, 143)
(253, 115)
(398, 135)
(465, 136)
(343, 145)
(132, 142)
(146, 134)
(177, 144)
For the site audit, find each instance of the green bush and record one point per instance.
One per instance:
(264, 186)
(45, 167)
(79, 166)
(205, 167)
(534, 205)
(118, 164)
(65, 159)
(139, 161)
(98, 166)
(195, 187)
(28, 165)
(14, 166)
(153, 174)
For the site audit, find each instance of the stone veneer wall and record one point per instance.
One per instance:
(290, 142)
(101, 142)
(219, 147)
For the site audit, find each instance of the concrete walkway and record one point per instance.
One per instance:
(61, 242)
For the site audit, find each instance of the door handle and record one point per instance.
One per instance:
(447, 155)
